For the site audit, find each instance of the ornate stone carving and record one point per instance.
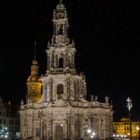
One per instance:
(106, 99)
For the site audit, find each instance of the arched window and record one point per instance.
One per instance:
(61, 61)
(59, 132)
(61, 29)
(60, 91)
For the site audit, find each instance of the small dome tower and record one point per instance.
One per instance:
(34, 83)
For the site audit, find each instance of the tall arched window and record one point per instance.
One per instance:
(60, 91)
(61, 29)
(61, 61)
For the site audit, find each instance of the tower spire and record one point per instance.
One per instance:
(33, 81)
(60, 1)
(34, 62)
(34, 50)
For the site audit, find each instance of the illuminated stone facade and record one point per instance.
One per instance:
(122, 128)
(63, 112)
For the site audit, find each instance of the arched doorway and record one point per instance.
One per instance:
(59, 132)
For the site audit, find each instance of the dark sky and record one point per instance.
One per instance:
(107, 37)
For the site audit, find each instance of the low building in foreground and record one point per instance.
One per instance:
(122, 129)
(9, 121)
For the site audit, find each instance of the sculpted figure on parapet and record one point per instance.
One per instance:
(106, 99)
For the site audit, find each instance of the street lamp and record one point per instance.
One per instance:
(129, 106)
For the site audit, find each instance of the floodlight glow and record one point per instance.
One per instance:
(124, 136)
(61, 124)
(91, 136)
(89, 131)
(114, 135)
(93, 133)
(138, 128)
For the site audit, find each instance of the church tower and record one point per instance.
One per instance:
(61, 61)
(34, 83)
(61, 51)
(62, 112)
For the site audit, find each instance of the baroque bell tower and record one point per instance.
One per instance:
(61, 51)
(34, 83)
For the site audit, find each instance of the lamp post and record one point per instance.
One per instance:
(129, 106)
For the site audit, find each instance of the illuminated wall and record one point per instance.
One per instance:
(122, 128)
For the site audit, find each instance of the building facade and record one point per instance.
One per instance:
(9, 121)
(122, 128)
(56, 106)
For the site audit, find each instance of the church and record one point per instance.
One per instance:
(56, 107)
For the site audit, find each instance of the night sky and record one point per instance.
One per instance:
(107, 38)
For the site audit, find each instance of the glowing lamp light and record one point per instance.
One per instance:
(91, 136)
(137, 128)
(124, 136)
(61, 124)
(128, 134)
(93, 133)
(89, 131)
(114, 135)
